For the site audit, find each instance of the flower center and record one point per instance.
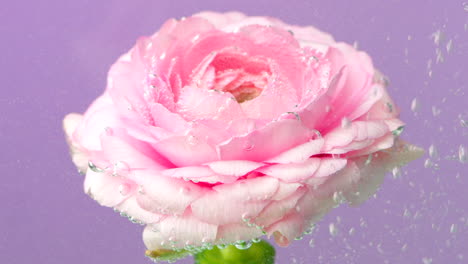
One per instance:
(246, 93)
(234, 72)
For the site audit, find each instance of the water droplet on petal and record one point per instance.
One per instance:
(120, 168)
(245, 217)
(397, 132)
(124, 189)
(94, 168)
(242, 245)
(389, 107)
(368, 160)
(184, 190)
(345, 122)
(141, 190)
(162, 56)
(248, 146)
(192, 140)
(109, 131)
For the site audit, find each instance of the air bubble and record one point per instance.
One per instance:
(243, 245)
(462, 154)
(120, 168)
(396, 172)
(192, 140)
(124, 189)
(368, 160)
(433, 151)
(345, 122)
(311, 243)
(109, 131)
(427, 163)
(94, 168)
(333, 229)
(248, 146)
(453, 228)
(397, 132)
(184, 190)
(436, 111)
(426, 260)
(415, 105)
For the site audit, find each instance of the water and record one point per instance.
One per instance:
(58, 63)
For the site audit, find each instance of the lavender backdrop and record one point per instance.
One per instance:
(55, 55)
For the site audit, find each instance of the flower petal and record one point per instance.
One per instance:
(180, 231)
(157, 193)
(292, 172)
(234, 167)
(267, 142)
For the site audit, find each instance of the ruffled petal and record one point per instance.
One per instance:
(232, 233)
(288, 228)
(178, 231)
(234, 167)
(267, 142)
(299, 153)
(157, 193)
(186, 150)
(236, 202)
(292, 172)
(278, 209)
(103, 188)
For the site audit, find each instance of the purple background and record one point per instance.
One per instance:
(55, 56)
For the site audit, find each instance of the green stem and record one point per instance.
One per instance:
(259, 253)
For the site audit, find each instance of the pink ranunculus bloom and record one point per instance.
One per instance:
(222, 128)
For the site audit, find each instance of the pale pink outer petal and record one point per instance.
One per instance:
(181, 231)
(119, 147)
(234, 167)
(198, 103)
(288, 228)
(186, 150)
(231, 233)
(103, 188)
(232, 21)
(100, 115)
(276, 210)
(267, 142)
(292, 172)
(198, 174)
(233, 203)
(285, 190)
(132, 209)
(79, 157)
(299, 153)
(339, 138)
(256, 189)
(373, 172)
(157, 193)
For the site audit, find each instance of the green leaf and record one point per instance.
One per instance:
(259, 253)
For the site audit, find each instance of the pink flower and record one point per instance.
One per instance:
(223, 127)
